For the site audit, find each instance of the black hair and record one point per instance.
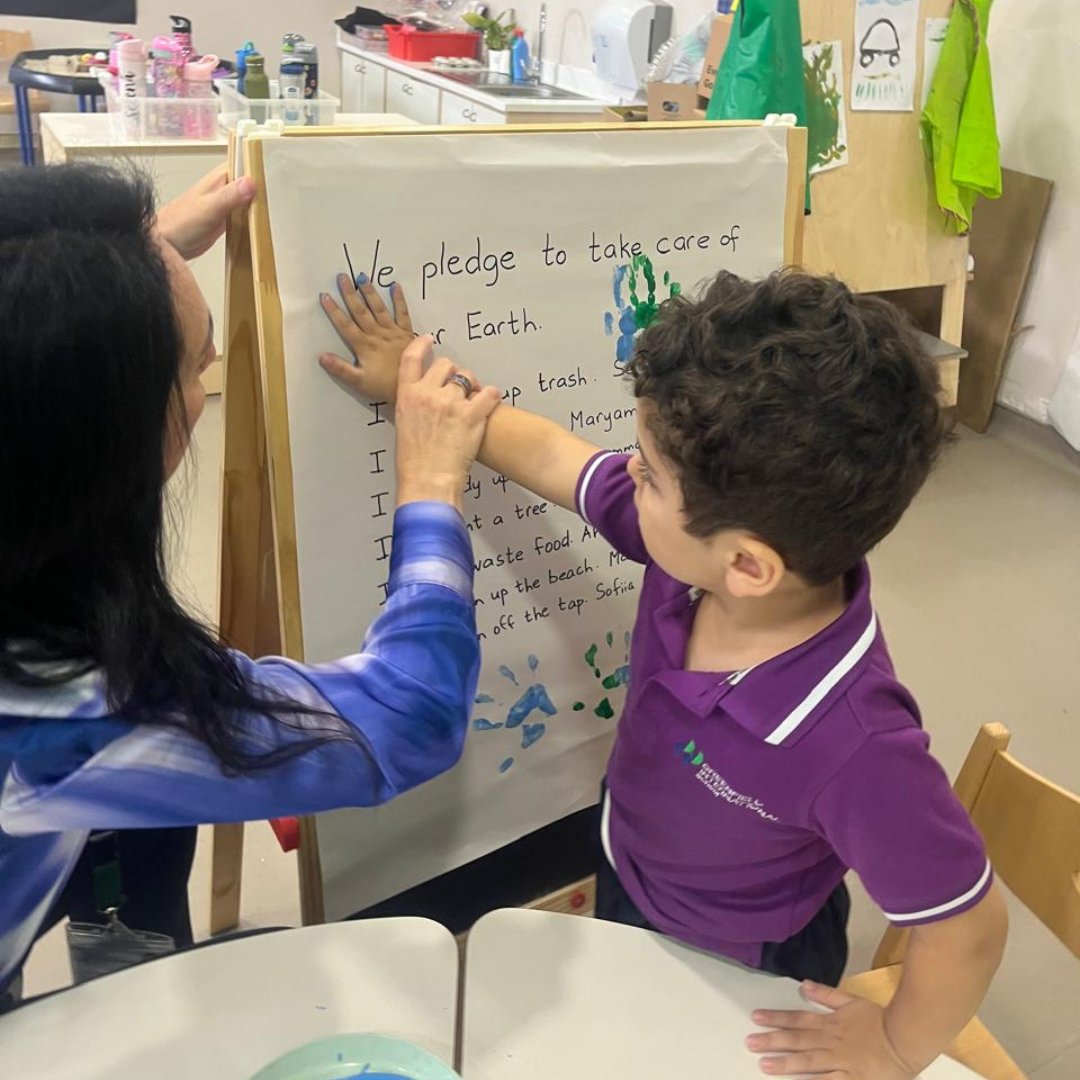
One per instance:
(795, 409)
(90, 355)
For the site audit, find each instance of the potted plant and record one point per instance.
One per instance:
(498, 36)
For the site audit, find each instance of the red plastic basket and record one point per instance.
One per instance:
(408, 43)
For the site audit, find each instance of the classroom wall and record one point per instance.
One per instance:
(1035, 52)
(568, 37)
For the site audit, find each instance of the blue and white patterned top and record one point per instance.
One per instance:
(68, 765)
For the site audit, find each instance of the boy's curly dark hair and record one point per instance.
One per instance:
(792, 408)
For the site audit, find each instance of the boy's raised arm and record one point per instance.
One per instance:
(534, 452)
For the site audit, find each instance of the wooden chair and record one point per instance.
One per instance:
(13, 42)
(1032, 832)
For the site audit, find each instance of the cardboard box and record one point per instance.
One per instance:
(718, 40)
(626, 114)
(674, 101)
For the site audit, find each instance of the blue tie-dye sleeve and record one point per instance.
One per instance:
(403, 701)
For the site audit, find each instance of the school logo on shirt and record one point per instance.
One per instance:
(716, 784)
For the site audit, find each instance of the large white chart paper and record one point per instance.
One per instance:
(533, 257)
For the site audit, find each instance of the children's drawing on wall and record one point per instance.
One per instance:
(883, 68)
(826, 113)
(932, 43)
(633, 313)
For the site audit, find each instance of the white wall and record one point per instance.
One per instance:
(568, 38)
(220, 26)
(1035, 53)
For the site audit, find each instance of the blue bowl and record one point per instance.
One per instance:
(357, 1057)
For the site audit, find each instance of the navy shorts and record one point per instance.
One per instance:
(818, 952)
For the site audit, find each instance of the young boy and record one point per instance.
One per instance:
(766, 746)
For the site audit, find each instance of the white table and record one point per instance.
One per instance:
(546, 996)
(222, 1012)
(550, 995)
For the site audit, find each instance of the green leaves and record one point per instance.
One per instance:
(497, 34)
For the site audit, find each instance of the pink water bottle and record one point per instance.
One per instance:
(131, 59)
(181, 32)
(166, 64)
(200, 122)
(115, 37)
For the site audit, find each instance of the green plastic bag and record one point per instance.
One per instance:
(959, 124)
(762, 68)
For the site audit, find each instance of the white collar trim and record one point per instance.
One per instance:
(812, 700)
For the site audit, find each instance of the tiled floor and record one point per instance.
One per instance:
(979, 593)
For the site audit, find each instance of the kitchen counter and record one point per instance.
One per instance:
(452, 99)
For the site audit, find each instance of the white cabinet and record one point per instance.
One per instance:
(458, 110)
(373, 97)
(352, 82)
(363, 85)
(417, 100)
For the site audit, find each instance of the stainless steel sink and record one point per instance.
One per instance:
(497, 85)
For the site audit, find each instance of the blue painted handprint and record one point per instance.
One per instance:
(532, 700)
(639, 313)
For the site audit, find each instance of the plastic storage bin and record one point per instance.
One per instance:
(162, 118)
(408, 43)
(318, 111)
(371, 38)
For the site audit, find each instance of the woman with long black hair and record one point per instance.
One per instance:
(118, 710)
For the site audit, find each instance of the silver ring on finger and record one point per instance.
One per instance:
(463, 381)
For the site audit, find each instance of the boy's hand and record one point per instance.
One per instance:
(848, 1043)
(374, 336)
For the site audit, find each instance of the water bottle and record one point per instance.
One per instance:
(242, 54)
(166, 64)
(257, 88)
(200, 121)
(291, 83)
(308, 55)
(181, 32)
(131, 60)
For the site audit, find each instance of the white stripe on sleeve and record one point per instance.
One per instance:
(942, 909)
(583, 490)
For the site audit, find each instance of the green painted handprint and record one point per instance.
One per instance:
(618, 678)
(638, 314)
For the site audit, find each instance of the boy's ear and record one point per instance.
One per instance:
(755, 568)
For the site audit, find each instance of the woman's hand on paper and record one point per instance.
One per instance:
(440, 426)
(375, 337)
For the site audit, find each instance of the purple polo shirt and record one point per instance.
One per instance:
(737, 801)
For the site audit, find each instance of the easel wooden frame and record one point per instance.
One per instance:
(260, 590)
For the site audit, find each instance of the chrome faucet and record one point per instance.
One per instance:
(538, 59)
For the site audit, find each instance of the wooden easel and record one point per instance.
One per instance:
(259, 607)
(248, 602)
